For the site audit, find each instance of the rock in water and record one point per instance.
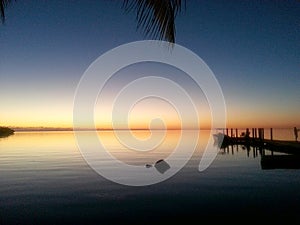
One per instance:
(162, 166)
(148, 166)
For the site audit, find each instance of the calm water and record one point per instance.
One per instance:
(44, 179)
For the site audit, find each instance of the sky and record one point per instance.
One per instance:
(252, 47)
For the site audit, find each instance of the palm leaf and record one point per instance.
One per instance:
(3, 4)
(156, 17)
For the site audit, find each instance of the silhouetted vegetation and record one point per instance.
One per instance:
(155, 18)
(3, 4)
(5, 132)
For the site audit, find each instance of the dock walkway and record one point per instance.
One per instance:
(288, 147)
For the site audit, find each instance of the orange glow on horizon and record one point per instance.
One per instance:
(142, 115)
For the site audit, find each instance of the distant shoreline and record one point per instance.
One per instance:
(86, 129)
(45, 129)
(40, 129)
(5, 132)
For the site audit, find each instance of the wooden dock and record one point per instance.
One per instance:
(257, 139)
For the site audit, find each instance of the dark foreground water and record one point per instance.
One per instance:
(45, 180)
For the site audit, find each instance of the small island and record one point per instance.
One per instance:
(5, 132)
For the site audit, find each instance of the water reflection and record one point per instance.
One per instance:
(51, 154)
(280, 162)
(55, 150)
(44, 179)
(268, 159)
(135, 157)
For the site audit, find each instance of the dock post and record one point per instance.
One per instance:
(253, 133)
(231, 132)
(260, 134)
(247, 133)
(227, 131)
(271, 134)
(236, 133)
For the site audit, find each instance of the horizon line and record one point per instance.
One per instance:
(20, 129)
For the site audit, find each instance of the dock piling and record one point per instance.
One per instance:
(271, 134)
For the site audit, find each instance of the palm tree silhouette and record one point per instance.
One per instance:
(155, 17)
(3, 4)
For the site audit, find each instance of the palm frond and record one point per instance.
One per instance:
(3, 4)
(156, 17)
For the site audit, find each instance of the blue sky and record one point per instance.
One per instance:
(253, 48)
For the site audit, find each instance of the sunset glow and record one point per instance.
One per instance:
(38, 76)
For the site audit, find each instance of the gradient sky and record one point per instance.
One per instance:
(253, 48)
